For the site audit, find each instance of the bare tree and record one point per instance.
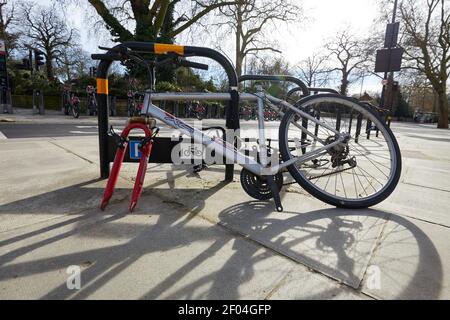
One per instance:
(249, 19)
(73, 63)
(47, 31)
(313, 71)
(7, 14)
(150, 20)
(351, 55)
(427, 44)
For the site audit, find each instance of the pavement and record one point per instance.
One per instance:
(195, 237)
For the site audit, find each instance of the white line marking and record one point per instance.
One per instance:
(82, 132)
(2, 136)
(87, 127)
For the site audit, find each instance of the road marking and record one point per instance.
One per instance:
(82, 132)
(2, 136)
(87, 127)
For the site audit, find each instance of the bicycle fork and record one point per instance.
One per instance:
(145, 148)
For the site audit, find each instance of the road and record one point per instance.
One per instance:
(23, 124)
(63, 127)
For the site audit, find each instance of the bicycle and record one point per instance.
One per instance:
(71, 103)
(92, 101)
(196, 110)
(131, 103)
(331, 162)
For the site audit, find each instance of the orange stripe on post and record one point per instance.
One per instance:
(102, 86)
(161, 48)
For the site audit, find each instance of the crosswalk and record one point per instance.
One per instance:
(91, 130)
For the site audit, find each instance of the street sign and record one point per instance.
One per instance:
(135, 153)
(383, 64)
(391, 38)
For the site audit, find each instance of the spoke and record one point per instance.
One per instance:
(342, 180)
(372, 162)
(368, 179)
(362, 186)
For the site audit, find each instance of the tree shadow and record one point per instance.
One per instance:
(250, 223)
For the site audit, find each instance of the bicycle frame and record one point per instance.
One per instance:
(227, 150)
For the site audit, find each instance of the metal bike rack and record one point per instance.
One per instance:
(106, 142)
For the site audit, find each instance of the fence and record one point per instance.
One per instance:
(55, 103)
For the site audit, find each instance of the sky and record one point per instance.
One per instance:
(324, 19)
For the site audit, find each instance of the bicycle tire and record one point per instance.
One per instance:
(324, 196)
(76, 111)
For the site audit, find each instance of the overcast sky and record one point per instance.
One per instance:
(325, 18)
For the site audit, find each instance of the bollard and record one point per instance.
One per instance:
(112, 105)
(350, 124)
(316, 131)
(358, 127)
(5, 101)
(38, 102)
(368, 128)
(338, 118)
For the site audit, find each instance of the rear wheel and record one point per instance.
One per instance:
(357, 174)
(76, 110)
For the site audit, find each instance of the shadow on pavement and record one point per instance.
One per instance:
(256, 222)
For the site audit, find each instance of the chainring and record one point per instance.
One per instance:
(257, 187)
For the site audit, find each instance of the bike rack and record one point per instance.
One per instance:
(107, 148)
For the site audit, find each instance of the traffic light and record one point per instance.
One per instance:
(38, 59)
(93, 72)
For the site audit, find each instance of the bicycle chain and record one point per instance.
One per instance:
(321, 176)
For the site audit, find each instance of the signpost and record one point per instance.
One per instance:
(389, 60)
(5, 101)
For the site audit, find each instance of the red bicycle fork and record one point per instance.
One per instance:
(145, 148)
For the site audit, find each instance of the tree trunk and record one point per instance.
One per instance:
(443, 109)
(239, 51)
(49, 66)
(344, 85)
(239, 63)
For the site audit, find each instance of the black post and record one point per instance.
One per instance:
(368, 128)
(316, 131)
(103, 116)
(358, 127)
(389, 77)
(232, 123)
(338, 118)
(350, 124)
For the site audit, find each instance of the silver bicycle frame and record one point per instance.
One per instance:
(228, 150)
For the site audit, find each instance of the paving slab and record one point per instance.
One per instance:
(42, 181)
(419, 202)
(157, 253)
(337, 243)
(412, 261)
(313, 286)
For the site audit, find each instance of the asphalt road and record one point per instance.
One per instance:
(30, 129)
